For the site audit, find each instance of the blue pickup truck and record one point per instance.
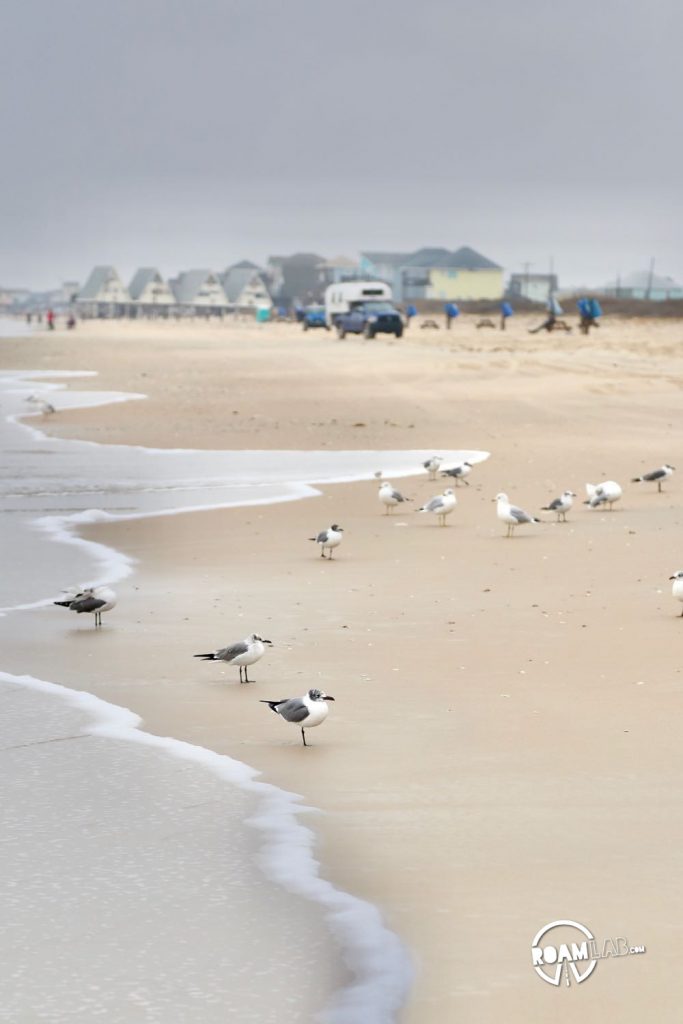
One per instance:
(370, 318)
(314, 316)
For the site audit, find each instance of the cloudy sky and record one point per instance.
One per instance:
(183, 133)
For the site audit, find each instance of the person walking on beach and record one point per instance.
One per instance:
(506, 310)
(589, 311)
(50, 320)
(411, 311)
(451, 311)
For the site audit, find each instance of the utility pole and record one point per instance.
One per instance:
(526, 267)
(650, 276)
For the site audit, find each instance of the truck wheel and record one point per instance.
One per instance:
(368, 332)
(305, 326)
(399, 332)
(341, 333)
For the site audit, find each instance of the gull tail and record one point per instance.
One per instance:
(637, 480)
(273, 704)
(64, 604)
(206, 657)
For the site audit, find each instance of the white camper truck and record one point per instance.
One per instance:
(341, 298)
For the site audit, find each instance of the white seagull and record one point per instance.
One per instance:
(47, 408)
(442, 505)
(388, 496)
(658, 475)
(561, 505)
(677, 588)
(94, 600)
(459, 473)
(603, 494)
(330, 538)
(307, 711)
(432, 465)
(511, 515)
(244, 653)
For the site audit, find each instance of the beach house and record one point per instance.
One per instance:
(245, 287)
(436, 273)
(150, 294)
(644, 285)
(199, 293)
(103, 294)
(295, 279)
(534, 287)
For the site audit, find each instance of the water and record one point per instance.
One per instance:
(144, 878)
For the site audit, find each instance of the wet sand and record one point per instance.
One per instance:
(504, 748)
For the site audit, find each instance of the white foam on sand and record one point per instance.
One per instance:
(379, 964)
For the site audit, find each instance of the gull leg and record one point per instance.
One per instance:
(659, 486)
(246, 675)
(303, 736)
(240, 668)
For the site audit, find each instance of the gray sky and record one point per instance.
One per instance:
(183, 133)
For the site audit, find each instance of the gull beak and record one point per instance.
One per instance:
(327, 697)
(673, 577)
(268, 642)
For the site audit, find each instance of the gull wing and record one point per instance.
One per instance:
(232, 652)
(293, 710)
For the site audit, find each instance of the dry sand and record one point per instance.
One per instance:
(504, 750)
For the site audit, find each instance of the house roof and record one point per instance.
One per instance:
(99, 276)
(393, 259)
(235, 279)
(141, 279)
(340, 261)
(242, 264)
(463, 259)
(186, 285)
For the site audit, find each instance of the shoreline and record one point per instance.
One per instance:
(436, 803)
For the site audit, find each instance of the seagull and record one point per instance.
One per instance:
(659, 475)
(442, 505)
(512, 515)
(388, 496)
(459, 472)
(561, 505)
(677, 588)
(244, 653)
(330, 538)
(90, 599)
(307, 711)
(47, 408)
(603, 494)
(432, 466)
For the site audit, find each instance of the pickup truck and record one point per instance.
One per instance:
(314, 316)
(370, 318)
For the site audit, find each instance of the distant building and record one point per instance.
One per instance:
(295, 278)
(245, 287)
(435, 273)
(199, 291)
(103, 294)
(336, 270)
(150, 294)
(534, 287)
(643, 285)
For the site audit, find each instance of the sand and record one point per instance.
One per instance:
(504, 749)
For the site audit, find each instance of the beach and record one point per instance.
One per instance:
(503, 750)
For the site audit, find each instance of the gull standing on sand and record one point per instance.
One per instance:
(330, 538)
(603, 494)
(244, 653)
(94, 600)
(432, 465)
(47, 408)
(442, 505)
(561, 505)
(459, 473)
(677, 588)
(307, 711)
(511, 515)
(388, 496)
(658, 475)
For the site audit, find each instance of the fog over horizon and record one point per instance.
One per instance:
(179, 135)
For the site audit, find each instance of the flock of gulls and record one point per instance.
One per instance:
(311, 709)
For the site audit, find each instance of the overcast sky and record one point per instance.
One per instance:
(193, 133)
